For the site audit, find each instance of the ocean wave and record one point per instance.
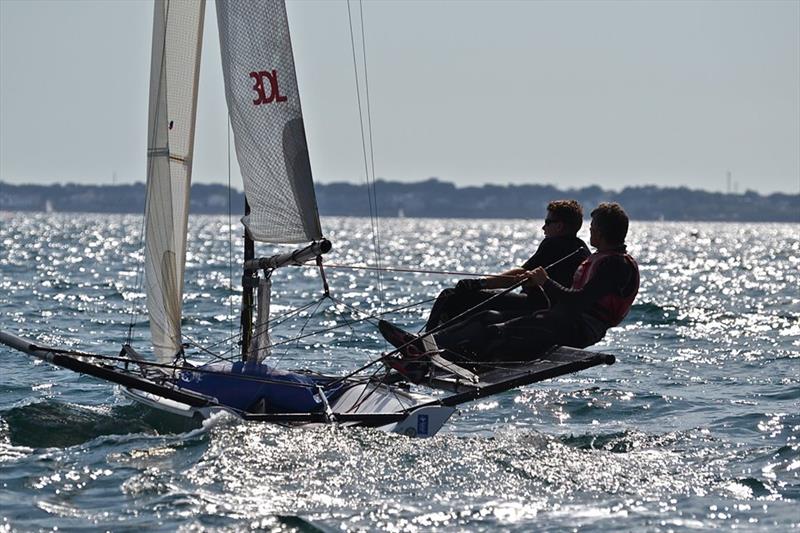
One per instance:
(49, 423)
(655, 315)
(620, 442)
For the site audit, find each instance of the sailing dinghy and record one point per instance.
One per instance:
(266, 118)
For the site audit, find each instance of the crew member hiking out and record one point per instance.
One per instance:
(564, 219)
(601, 294)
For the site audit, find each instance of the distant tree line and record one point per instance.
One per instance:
(430, 198)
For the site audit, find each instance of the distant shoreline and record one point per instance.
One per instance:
(428, 199)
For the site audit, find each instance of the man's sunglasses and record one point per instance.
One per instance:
(549, 221)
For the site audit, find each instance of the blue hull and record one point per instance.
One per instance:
(243, 386)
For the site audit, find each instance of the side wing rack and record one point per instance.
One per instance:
(557, 362)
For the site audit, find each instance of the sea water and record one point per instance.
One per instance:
(696, 426)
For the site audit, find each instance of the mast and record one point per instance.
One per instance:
(249, 281)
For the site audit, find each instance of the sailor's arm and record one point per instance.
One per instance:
(505, 279)
(606, 280)
(546, 253)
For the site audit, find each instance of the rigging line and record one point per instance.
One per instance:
(376, 234)
(230, 234)
(372, 211)
(297, 343)
(445, 272)
(352, 310)
(285, 317)
(281, 319)
(355, 311)
(396, 393)
(417, 271)
(383, 381)
(150, 163)
(197, 345)
(173, 367)
(338, 326)
(259, 329)
(365, 395)
(344, 318)
(371, 317)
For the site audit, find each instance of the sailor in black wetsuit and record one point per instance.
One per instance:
(600, 296)
(564, 219)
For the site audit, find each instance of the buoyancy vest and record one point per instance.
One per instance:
(611, 308)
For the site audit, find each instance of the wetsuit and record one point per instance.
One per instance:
(451, 302)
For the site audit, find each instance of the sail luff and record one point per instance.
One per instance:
(174, 75)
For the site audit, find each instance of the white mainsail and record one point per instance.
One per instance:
(267, 122)
(174, 70)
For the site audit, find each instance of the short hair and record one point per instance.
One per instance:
(568, 212)
(612, 222)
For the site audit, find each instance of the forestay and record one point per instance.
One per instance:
(175, 65)
(264, 109)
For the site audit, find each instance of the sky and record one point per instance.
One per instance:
(565, 93)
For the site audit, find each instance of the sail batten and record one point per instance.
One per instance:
(267, 121)
(174, 71)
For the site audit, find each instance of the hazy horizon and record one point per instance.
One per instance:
(239, 189)
(574, 94)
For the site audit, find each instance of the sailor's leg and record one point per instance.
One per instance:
(515, 305)
(467, 338)
(451, 303)
(527, 337)
(440, 306)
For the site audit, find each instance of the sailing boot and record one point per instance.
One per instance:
(413, 361)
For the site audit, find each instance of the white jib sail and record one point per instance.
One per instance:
(264, 108)
(175, 65)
